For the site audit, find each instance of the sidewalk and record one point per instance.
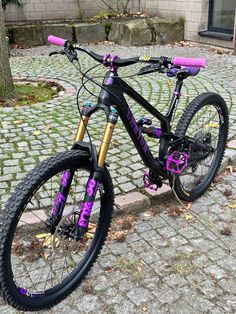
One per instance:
(160, 262)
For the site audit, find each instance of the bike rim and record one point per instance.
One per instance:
(42, 263)
(206, 124)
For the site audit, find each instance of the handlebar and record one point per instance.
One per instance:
(117, 62)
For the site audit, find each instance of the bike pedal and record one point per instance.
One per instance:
(177, 161)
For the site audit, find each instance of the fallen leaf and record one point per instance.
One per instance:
(46, 255)
(227, 192)
(89, 235)
(43, 235)
(176, 212)
(230, 169)
(87, 288)
(92, 227)
(18, 121)
(47, 127)
(50, 241)
(36, 132)
(115, 143)
(109, 269)
(226, 231)
(213, 125)
(232, 206)
(188, 217)
(189, 206)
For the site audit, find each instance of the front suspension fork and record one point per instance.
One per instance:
(92, 184)
(95, 178)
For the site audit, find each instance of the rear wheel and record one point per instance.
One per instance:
(205, 120)
(39, 269)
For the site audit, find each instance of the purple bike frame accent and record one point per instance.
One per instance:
(65, 178)
(87, 204)
(60, 199)
(92, 187)
(158, 132)
(86, 209)
(137, 131)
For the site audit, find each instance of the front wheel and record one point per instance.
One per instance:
(39, 268)
(205, 120)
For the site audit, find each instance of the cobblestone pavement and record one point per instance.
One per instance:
(29, 135)
(165, 263)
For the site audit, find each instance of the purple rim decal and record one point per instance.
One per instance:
(25, 292)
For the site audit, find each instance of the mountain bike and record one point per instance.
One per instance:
(57, 220)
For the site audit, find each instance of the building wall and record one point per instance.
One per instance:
(194, 12)
(34, 10)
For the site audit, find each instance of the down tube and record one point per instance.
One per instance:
(137, 137)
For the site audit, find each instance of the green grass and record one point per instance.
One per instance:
(29, 94)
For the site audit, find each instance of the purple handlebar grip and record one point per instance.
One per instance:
(56, 40)
(189, 62)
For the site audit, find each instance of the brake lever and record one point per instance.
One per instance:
(62, 52)
(149, 69)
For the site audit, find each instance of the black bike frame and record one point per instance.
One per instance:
(112, 94)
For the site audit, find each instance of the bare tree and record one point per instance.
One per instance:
(7, 91)
(235, 33)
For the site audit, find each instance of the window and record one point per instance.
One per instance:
(221, 16)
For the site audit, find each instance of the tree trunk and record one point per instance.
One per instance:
(235, 33)
(7, 91)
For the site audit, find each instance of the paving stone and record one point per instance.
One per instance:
(125, 307)
(202, 305)
(175, 281)
(132, 201)
(190, 233)
(215, 272)
(126, 187)
(102, 283)
(160, 191)
(182, 307)
(89, 303)
(227, 285)
(140, 295)
(232, 144)
(166, 295)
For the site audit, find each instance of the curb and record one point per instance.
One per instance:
(142, 201)
(136, 201)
